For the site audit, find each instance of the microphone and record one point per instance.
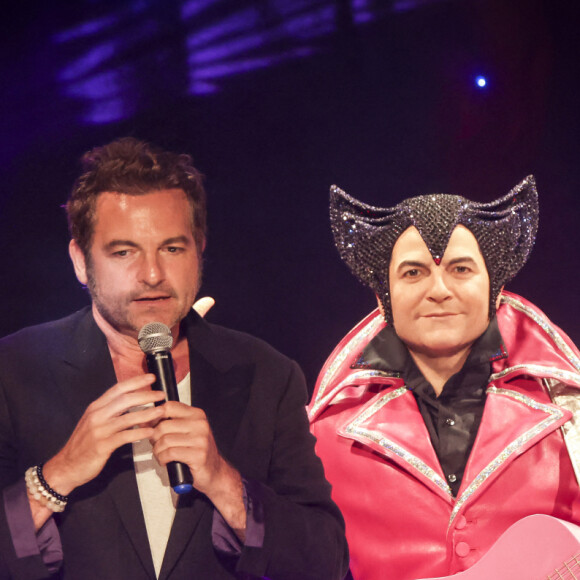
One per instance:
(155, 341)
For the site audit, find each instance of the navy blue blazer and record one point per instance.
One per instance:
(254, 399)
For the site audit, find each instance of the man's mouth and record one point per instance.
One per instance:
(152, 298)
(440, 315)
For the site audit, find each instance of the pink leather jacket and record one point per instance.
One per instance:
(402, 521)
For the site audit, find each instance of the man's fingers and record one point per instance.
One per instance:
(191, 430)
(141, 417)
(179, 451)
(130, 436)
(126, 394)
(176, 410)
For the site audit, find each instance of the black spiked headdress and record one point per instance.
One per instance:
(505, 230)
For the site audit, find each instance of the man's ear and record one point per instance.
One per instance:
(498, 299)
(381, 309)
(78, 259)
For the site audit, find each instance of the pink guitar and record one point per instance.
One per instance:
(538, 547)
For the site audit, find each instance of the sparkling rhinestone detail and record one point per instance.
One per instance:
(365, 375)
(363, 435)
(546, 325)
(540, 371)
(345, 352)
(553, 415)
(505, 230)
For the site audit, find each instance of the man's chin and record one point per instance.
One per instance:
(439, 348)
(132, 318)
(170, 321)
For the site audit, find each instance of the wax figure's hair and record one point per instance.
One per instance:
(505, 230)
(128, 165)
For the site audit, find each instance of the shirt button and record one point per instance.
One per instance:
(449, 422)
(460, 523)
(452, 477)
(462, 549)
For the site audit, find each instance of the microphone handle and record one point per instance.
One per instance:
(161, 365)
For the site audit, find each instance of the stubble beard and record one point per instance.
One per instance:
(119, 316)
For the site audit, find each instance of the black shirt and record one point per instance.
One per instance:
(453, 418)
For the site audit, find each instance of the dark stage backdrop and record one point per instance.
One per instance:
(276, 101)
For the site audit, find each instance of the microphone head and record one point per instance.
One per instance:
(155, 337)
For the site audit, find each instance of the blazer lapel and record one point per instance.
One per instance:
(511, 423)
(390, 424)
(220, 380)
(122, 488)
(82, 368)
(82, 373)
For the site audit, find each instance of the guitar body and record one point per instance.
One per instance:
(537, 547)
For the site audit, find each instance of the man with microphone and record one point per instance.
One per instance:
(85, 441)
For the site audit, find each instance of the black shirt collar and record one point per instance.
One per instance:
(452, 418)
(387, 352)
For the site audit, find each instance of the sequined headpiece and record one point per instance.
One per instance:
(505, 230)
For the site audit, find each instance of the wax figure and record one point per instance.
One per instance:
(438, 416)
(77, 414)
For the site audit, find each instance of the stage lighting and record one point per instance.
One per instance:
(481, 81)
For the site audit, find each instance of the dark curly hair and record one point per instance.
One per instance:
(131, 166)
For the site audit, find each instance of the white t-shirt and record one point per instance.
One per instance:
(158, 500)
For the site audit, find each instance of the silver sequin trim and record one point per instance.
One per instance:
(539, 370)
(377, 438)
(548, 328)
(345, 352)
(554, 415)
(568, 397)
(374, 376)
(365, 375)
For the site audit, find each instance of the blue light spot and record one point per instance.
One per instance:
(481, 81)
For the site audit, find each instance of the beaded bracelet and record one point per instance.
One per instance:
(41, 491)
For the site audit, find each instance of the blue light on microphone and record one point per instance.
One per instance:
(183, 488)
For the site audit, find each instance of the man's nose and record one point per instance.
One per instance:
(438, 291)
(152, 272)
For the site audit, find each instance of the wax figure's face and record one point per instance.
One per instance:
(144, 265)
(439, 310)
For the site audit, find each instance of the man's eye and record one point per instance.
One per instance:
(121, 253)
(173, 249)
(413, 273)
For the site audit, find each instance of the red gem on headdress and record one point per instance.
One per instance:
(437, 261)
